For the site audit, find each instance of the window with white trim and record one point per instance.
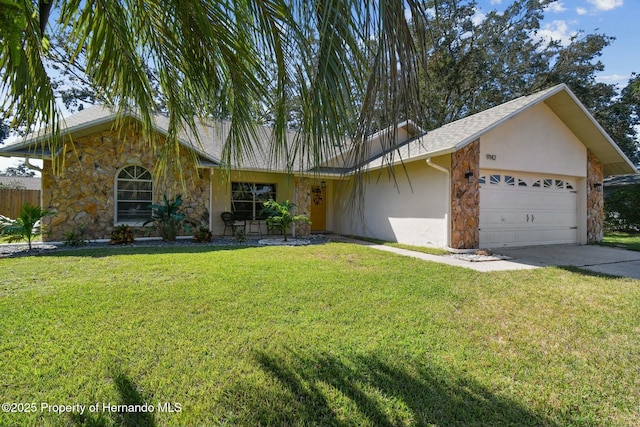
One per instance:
(134, 195)
(247, 198)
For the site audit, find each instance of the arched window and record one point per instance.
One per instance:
(134, 194)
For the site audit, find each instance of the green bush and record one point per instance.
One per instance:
(26, 226)
(121, 235)
(281, 215)
(622, 209)
(167, 218)
(75, 237)
(202, 235)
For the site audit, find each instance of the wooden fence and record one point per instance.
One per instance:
(11, 200)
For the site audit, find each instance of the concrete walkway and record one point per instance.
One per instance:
(599, 259)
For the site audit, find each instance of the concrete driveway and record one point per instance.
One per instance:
(600, 259)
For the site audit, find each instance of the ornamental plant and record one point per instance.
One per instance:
(167, 218)
(27, 226)
(202, 235)
(281, 216)
(75, 237)
(122, 234)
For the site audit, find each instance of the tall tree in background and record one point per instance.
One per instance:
(21, 170)
(209, 60)
(474, 62)
(346, 67)
(4, 131)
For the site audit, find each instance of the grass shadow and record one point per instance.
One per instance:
(588, 273)
(328, 390)
(105, 251)
(129, 396)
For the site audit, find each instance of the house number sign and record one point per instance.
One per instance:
(491, 156)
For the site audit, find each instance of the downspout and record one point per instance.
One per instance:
(448, 214)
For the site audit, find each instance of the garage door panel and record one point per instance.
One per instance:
(539, 210)
(522, 235)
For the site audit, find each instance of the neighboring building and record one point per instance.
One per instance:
(21, 182)
(527, 172)
(613, 183)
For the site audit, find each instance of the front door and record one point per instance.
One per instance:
(318, 214)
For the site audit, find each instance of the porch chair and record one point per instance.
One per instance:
(231, 222)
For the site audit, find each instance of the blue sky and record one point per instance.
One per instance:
(616, 18)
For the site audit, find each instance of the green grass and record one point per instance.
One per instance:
(629, 241)
(6, 239)
(335, 334)
(423, 249)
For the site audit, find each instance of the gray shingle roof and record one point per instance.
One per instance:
(446, 139)
(622, 180)
(28, 183)
(211, 137)
(455, 135)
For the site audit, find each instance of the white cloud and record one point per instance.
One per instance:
(614, 78)
(556, 30)
(495, 1)
(556, 7)
(606, 4)
(478, 17)
(581, 11)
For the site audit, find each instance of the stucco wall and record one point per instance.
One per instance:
(84, 193)
(221, 191)
(410, 208)
(534, 141)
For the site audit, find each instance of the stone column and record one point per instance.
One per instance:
(595, 199)
(465, 197)
(303, 204)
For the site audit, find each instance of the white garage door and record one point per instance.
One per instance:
(524, 209)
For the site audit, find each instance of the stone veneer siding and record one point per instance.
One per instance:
(303, 205)
(83, 194)
(595, 199)
(465, 198)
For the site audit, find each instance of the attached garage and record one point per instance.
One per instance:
(518, 209)
(527, 172)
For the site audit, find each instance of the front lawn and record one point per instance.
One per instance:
(619, 239)
(334, 334)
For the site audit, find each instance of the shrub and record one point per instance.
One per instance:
(202, 235)
(122, 235)
(280, 215)
(167, 218)
(27, 225)
(622, 209)
(75, 237)
(240, 235)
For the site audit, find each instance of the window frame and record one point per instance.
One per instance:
(256, 200)
(137, 177)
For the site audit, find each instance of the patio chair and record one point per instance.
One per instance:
(231, 222)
